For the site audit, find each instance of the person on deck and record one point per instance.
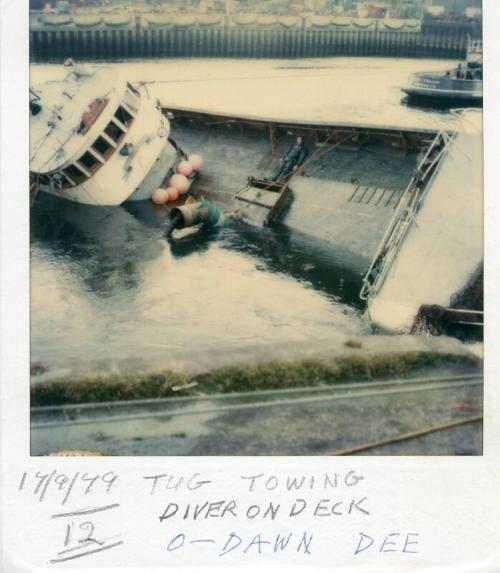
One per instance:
(291, 160)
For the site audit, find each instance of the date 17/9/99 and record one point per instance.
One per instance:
(49, 484)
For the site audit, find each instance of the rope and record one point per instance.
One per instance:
(58, 150)
(222, 79)
(34, 186)
(405, 437)
(42, 139)
(315, 155)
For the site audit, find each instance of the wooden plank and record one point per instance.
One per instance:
(252, 197)
(278, 205)
(254, 202)
(260, 205)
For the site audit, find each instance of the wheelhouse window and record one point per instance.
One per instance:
(114, 132)
(103, 147)
(90, 162)
(74, 175)
(124, 116)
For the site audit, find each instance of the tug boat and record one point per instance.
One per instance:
(463, 83)
(95, 139)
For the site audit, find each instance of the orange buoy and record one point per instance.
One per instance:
(180, 182)
(185, 168)
(173, 193)
(159, 196)
(196, 162)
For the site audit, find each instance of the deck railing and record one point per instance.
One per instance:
(406, 210)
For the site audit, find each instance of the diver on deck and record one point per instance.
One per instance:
(291, 160)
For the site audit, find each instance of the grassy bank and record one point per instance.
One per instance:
(266, 376)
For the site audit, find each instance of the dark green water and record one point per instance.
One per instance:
(106, 282)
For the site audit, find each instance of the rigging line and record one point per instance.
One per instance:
(315, 155)
(42, 141)
(319, 153)
(309, 137)
(322, 150)
(42, 136)
(60, 152)
(52, 157)
(238, 78)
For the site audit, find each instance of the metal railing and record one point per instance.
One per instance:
(406, 210)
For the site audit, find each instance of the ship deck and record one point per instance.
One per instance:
(346, 190)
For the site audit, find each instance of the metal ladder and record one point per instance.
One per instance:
(405, 213)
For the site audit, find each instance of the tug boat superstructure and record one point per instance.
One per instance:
(96, 139)
(463, 83)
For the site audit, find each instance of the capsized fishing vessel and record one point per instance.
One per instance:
(343, 194)
(96, 139)
(465, 82)
(406, 204)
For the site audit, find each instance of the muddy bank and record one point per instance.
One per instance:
(356, 360)
(434, 410)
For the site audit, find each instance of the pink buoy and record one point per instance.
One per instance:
(196, 162)
(185, 168)
(159, 196)
(173, 193)
(180, 182)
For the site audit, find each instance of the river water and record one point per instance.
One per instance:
(106, 283)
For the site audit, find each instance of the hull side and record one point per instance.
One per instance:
(443, 94)
(444, 246)
(441, 87)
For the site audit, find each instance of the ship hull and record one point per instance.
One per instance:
(103, 189)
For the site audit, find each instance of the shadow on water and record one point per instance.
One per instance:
(107, 246)
(307, 260)
(278, 250)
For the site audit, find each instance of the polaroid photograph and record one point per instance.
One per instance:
(249, 268)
